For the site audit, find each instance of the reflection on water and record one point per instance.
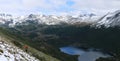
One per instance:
(84, 55)
(72, 50)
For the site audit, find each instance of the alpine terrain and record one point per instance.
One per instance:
(45, 34)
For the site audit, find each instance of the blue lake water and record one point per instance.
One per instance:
(84, 55)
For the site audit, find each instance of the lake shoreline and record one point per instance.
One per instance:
(81, 53)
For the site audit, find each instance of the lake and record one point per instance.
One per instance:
(83, 55)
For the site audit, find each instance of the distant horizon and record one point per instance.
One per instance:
(71, 14)
(58, 7)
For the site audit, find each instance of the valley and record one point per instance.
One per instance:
(100, 34)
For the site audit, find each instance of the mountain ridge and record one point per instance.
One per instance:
(48, 19)
(110, 19)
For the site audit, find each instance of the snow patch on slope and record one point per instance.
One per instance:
(12, 53)
(110, 20)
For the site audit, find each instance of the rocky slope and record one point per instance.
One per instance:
(110, 19)
(11, 48)
(9, 52)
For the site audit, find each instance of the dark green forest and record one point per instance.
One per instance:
(49, 38)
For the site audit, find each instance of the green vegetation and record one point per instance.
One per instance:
(49, 38)
(10, 37)
(20, 41)
(106, 39)
(1, 51)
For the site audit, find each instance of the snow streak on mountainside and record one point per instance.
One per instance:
(9, 52)
(110, 19)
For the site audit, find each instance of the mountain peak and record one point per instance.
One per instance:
(110, 19)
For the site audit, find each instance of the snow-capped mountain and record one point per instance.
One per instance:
(110, 19)
(48, 19)
(5, 18)
(52, 19)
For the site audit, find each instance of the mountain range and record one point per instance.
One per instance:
(109, 19)
(11, 21)
(47, 33)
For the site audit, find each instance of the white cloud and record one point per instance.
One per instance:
(46, 4)
(97, 5)
(58, 6)
(35, 3)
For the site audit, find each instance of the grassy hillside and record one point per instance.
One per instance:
(35, 48)
(11, 38)
(106, 39)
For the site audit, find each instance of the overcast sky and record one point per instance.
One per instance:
(21, 7)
